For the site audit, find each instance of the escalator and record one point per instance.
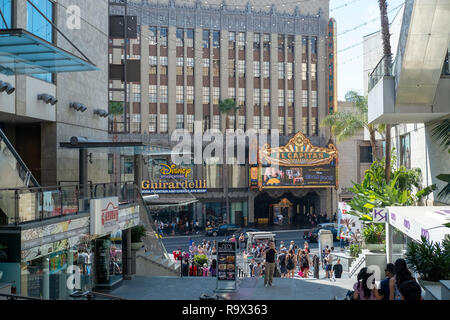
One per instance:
(13, 171)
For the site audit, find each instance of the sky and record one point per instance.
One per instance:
(350, 14)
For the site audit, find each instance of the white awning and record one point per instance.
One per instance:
(421, 221)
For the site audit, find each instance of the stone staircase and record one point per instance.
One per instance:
(357, 265)
(148, 264)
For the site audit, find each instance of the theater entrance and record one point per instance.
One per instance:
(287, 209)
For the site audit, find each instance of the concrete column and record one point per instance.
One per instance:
(83, 172)
(249, 80)
(298, 112)
(145, 34)
(45, 278)
(158, 82)
(172, 77)
(389, 238)
(273, 81)
(224, 36)
(138, 166)
(20, 22)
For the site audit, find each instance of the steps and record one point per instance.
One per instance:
(357, 265)
(148, 264)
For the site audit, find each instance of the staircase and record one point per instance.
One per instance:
(153, 259)
(357, 265)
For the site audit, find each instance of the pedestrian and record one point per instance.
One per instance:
(213, 268)
(402, 274)
(337, 269)
(304, 264)
(251, 266)
(342, 240)
(282, 245)
(257, 271)
(361, 287)
(384, 284)
(290, 264)
(185, 268)
(324, 253)
(291, 246)
(282, 263)
(410, 290)
(329, 265)
(306, 247)
(269, 255)
(241, 242)
(187, 226)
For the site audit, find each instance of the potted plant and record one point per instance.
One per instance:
(200, 261)
(430, 260)
(355, 250)
(137, 233)
(374, 237)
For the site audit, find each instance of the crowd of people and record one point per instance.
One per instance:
(176, 226)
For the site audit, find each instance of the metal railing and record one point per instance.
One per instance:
(356, 268)
(93, 295)
(380, 71)
(23, 205)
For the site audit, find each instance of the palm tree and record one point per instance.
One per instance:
(387, 52)
(227, 107)
(345, 125)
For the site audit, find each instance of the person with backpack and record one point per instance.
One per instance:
(304, 264)
(290, 264)
(282, 263)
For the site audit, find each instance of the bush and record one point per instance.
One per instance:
(429, 259)
(355, 250)
(200, 260)
(137, 233)
(374, 234)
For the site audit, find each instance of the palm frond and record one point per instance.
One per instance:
(441, 132)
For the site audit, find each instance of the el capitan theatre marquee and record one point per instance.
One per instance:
(299, 164)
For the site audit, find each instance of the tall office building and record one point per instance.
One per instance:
(184, 57)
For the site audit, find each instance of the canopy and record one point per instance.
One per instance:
(21, 52)
(421, 221)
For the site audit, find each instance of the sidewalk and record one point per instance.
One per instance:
(174, 288)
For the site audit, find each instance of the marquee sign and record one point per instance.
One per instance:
(299, 164)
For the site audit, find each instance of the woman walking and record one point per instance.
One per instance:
(290, 264)
(282, 263)
(402, 274)
(304, 264)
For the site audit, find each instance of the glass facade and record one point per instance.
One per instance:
(6, 7)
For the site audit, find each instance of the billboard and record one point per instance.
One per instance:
(299, 164)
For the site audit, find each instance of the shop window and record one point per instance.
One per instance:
(127, 165)
(365, 154)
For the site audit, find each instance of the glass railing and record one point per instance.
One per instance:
(380, 71)
(21, 205)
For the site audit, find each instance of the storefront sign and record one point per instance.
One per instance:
(173, 171)
(379, 215)
(299, 164)
(196, 186)
(104, 215)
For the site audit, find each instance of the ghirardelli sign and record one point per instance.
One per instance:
(110, 214)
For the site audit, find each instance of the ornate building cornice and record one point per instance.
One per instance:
(225, 18)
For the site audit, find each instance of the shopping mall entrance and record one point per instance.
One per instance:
(287, 209)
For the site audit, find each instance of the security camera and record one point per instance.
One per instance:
(78, 106)
(6, 86)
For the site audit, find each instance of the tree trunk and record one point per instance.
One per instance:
(386, 36)
(373, 143)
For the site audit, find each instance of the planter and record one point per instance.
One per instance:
(136, 245)
(425, 283)
(375, 247)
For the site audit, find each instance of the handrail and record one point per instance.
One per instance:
(17, 297)
(91, 295)
(18, 158)
(353, 271)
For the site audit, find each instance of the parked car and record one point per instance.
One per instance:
(223, 230)
(313, 235)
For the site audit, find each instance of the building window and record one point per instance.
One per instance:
(205, 41)
(266, 97)
(290, 125)
(304, 71)
(305, 46)
(180, 94)
(266, 42)
(216, 39)
(365, 154)
(206, 95)
(257, 96)
(127, 164)
(241, 122)
(314, 103)
(305, 125)
(180, 66)
(163, 37)
(291, 43)
(152, 123)
(232, 93)
(231, 122)
(281, 45)
(163, 94)
(164, 123)
(152, 94)
(206, 123)
(280, 70)
(163, 60)
(281, 98)
(256, 41)
(305, 98)
(313, 71)
(180, 121)
(152, 60)
(232, 40)
(180, 38)
(405, 151)
(216, 122)
(290, 98)
(257, 122)
(241, 40)
(289, 70)
(266, 124)
(314, 126)
(205, 67)
(216, 95)
(110, 163)
(266, 69)
(136, 92)
(241, 68)
(189, 38)
(241, 96)
(314, 45)
(190, 122)
(189, 94)
(257, 69)
(190, 66)
(281, 125)
(152, 37)
(216, 68)
(231, 68)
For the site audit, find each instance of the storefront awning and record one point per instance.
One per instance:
(21, 52)
(416, 222)
(170, 202)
